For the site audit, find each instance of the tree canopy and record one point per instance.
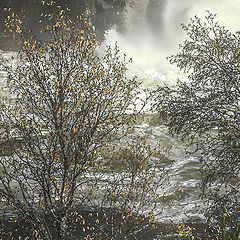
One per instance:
(75, 171)
(204, 111)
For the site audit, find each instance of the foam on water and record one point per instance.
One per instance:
(149, 49)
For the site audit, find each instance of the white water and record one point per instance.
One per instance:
(148, 50)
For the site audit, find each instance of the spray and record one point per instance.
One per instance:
(154, 32)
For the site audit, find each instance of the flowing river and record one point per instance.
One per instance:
(153, 33)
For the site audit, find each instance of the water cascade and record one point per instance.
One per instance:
(153, 33)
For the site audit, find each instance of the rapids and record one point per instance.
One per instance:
(153, 32)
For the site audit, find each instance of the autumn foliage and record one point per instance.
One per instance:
(75, 171)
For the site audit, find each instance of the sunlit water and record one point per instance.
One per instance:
(148, 50)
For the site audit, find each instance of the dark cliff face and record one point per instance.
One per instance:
(103, 14)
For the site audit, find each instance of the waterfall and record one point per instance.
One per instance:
(164, 17)
(160, 18)
(154, 32)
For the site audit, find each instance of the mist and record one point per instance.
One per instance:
(153, 32)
